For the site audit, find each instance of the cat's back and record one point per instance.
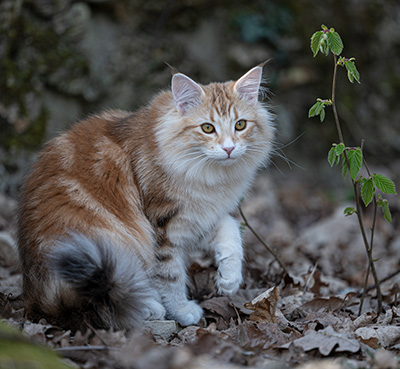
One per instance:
(82, 178)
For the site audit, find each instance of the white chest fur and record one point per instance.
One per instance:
(202, 207)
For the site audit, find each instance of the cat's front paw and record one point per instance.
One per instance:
(188, 314)
(228, 280)
(154, 310)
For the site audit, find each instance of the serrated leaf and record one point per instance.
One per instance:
(313, 110)
(316, 39)
(355, 161)
(339, 149)
(324, 47)
(367, 190)
(384, 184)
(344, 166)
(317, 109)
(349, 211)
(350, 77)
(352, 72)
(322, 114)
(335, 42)
(332, 156)
(386, 212)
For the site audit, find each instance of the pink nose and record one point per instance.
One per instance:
(229, 150)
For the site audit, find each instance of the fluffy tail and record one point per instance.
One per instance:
(109, 285)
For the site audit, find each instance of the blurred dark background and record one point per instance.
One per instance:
(61, 60)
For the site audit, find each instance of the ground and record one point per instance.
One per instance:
(278, 319)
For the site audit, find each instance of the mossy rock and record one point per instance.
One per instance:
(17, 352)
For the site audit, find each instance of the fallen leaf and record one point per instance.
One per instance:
(256, 336)
(221, 306)
(264, 306)
(385, 335)
(326, 341)
(332, 303)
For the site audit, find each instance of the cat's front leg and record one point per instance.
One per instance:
(229, 256)
(170, 277)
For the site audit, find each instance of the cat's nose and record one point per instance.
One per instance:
(228, 150)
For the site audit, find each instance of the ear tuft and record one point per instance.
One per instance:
(248, 85)
(187, 93)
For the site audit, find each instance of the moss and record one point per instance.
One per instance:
(35, 54)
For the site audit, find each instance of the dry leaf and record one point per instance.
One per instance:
(326, 341)
(220, 306)
(386, 335)
(264, 306)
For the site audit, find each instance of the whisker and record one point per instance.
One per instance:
(288, 161)
(291, 142)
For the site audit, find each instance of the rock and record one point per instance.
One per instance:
(8, 250)
(8, 207)
(162, 328)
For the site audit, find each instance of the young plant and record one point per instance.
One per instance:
(351, 158)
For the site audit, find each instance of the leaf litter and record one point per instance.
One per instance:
(305, 319)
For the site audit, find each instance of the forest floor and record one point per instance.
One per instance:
(306, 318)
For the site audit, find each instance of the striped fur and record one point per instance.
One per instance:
(114, 206)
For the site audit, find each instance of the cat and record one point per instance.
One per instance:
(114, 206)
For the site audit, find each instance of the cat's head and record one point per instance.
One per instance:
(218, 125)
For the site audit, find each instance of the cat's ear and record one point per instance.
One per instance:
(187, 93)
(248, 85)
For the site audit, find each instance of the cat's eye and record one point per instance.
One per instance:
(207, 128)
(240, 125)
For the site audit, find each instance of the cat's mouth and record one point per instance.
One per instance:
(228, 160)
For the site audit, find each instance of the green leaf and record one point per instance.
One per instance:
(332, 156)
(324, 47)
(335, 42)
(384, 184)
(386, 212)
(349, 211)
(317, 109)
(339, 149)
(316, 39)
(384, 204)
(344, 166)
(352, 72)
(355, 161)
(322, 114)
(367, 190)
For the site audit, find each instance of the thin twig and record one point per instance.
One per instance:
(310, 276)
(390, 276)
(262, 241)
(86, 348)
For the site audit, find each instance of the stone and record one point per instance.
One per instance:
(162, 328)
(8, 250)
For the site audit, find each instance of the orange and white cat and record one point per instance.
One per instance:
(114, 206)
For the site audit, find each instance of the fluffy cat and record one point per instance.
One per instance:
(114, 206)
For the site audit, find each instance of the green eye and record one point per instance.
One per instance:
(207, 128)
(240, 125)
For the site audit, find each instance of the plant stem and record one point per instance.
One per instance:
(364, 290)
(262, 241)
(335, 113)
(368, 245)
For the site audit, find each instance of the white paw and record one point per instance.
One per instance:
(154, 310)
(187, 314)
(228, 280)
